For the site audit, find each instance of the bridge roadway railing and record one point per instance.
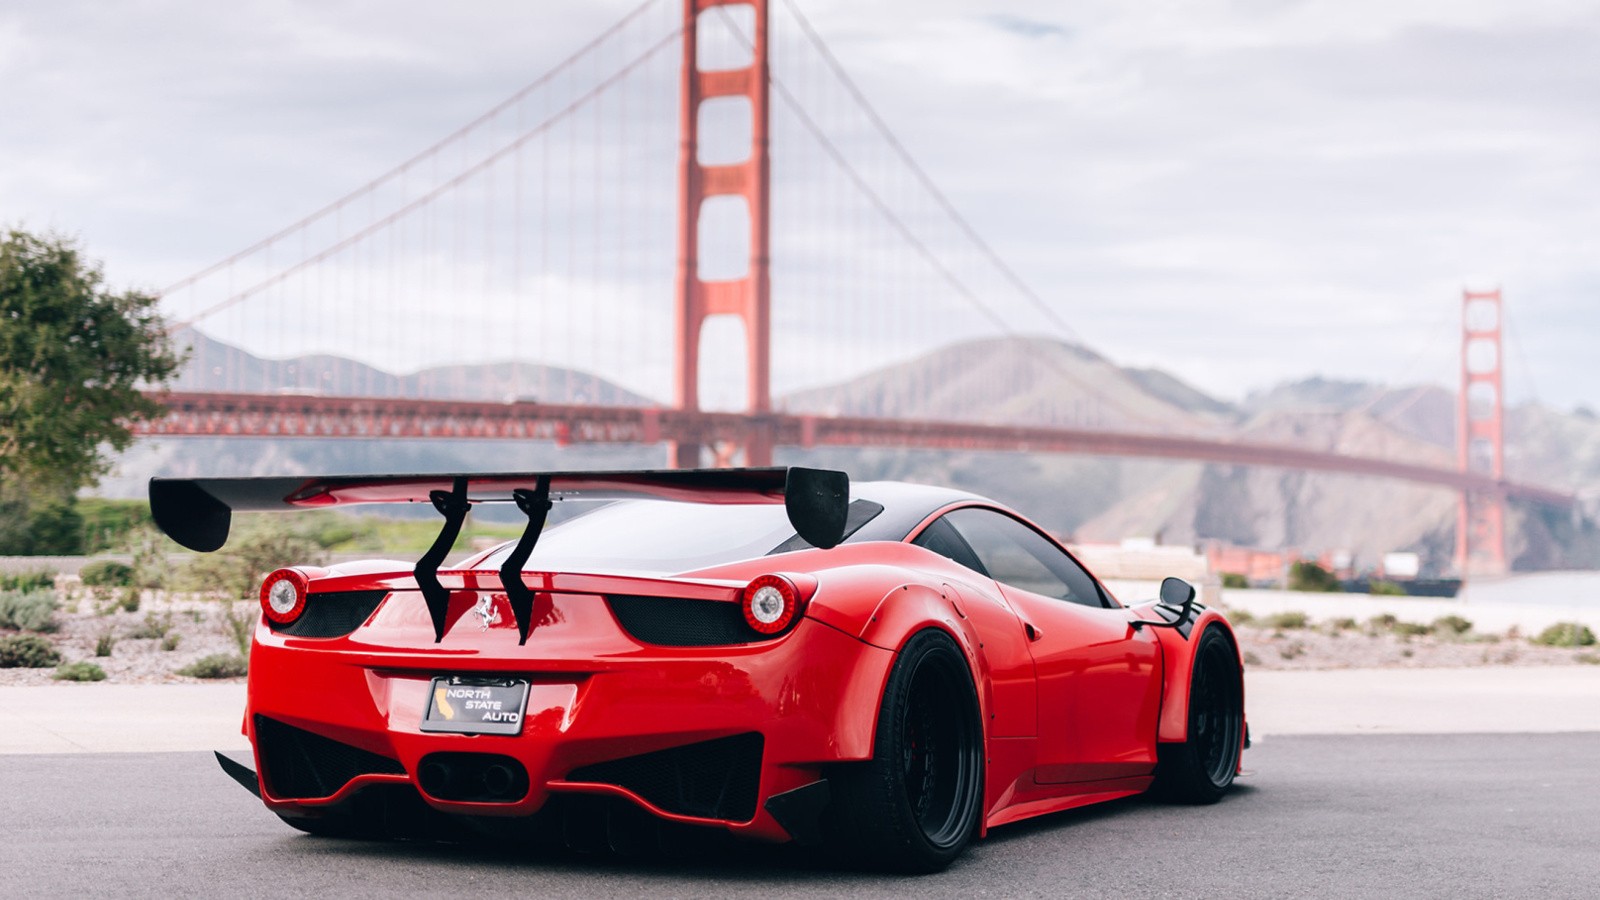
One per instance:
(315, 416)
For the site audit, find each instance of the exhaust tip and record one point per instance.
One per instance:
(498, 780)
(434, 777)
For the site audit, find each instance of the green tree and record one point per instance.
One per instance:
(74, 358)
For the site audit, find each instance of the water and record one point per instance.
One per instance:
(1579, 591)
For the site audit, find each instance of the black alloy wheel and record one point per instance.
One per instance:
(1201, 769)
(916, 804)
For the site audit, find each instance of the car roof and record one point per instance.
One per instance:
(905, 505)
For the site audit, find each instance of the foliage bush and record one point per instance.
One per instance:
(1306, 575)
(33, 610)
(102, 647)
(169, 643)
(27, 651)
(217, 665)
(1381, 588)
(41, 521)
(1566, 634)
(1411, 629)
(1238, 617)
(107, 524)
(106, 573)
(1288, 620)
(28, 580)
(79, 671)
(1452, 625)
(154, 627)
(1234, 580)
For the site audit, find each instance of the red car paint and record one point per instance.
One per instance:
(1074, 699)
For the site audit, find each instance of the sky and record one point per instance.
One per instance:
(1241, 193)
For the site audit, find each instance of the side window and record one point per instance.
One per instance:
(943, 540)
(1017, 555)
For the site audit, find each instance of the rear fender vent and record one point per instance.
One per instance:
(300, 765)
(332, 614)
(717, 779)
(681, 622)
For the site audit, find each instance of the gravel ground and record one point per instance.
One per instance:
(1366, 647)
(197, 622)
(200, 628)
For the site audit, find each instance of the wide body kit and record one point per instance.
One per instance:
(657, 692)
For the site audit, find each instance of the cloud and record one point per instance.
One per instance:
(1241, 191)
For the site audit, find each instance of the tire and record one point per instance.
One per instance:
(917, 803)
(1201, 769)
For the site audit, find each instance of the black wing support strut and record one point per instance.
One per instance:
(453, 505)
(535, 504)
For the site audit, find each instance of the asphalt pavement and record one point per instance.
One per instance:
(1391, 816)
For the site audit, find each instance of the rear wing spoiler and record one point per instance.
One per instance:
(198, 512)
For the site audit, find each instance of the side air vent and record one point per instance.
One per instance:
(300, 765)
(717, 779)
(333, 614)
(679, 622)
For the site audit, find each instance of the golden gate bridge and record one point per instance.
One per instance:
(625, 215)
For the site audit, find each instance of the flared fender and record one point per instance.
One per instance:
(1177, 657)
(897, 614)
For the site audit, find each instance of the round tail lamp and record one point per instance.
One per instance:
(283, 595)
(771, 604)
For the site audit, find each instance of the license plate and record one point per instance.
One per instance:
(464, 704)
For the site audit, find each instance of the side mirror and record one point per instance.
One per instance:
(1177, 595)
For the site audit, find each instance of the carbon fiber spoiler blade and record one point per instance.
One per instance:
(197, 512)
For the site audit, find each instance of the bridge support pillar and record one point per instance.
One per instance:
(1480, 523)
(748, 297)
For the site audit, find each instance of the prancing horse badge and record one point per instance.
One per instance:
(486, 612)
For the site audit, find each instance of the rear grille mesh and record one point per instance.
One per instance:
(717, 779)
(681, 622)
(332, 614)
(301, 765)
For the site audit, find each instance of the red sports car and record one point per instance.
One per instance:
(892, 668)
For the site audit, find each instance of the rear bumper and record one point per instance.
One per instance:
(598, 696)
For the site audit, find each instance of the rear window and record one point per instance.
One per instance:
(657, 537)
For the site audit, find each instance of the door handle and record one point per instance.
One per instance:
(1033, 633)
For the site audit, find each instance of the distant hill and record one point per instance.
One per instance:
(1019, 381)
(216, 366)
(1000, 381)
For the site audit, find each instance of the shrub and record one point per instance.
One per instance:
(1452, 625)
(1566, 634)
(170, 642)
(1250, 659)
(28, 610)
(107, 523)
(217, 665)
(103, 646)
(154, 627)
(1411, 629)
(106, 573)
(130, 599)
(26, 651)
(1308, 576)
(1382, 588)
(1288, 620)
(79, 671)
(1234, 580)
(1382, 622)
(1343, 625)
(28, 580)
(1238, 616)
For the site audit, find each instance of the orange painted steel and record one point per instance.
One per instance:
(300, 416)
(748, 297)
(1480, 524)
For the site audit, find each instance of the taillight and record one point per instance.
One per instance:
(283, 595)
(771, 604)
